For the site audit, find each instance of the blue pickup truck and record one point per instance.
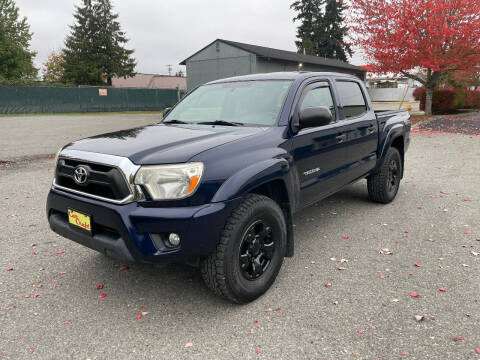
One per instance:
(216, 183)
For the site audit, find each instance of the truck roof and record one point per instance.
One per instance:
(287, 75)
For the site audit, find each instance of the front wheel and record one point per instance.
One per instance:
(250, 252)
(383, 186)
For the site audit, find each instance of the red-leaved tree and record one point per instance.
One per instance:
(422, 40)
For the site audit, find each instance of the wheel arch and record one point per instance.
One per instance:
(271, 178)
(277, 191)
(395, 138)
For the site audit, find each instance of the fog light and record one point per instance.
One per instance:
(174, 239)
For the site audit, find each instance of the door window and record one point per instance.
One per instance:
(319, 96)
(351, 98)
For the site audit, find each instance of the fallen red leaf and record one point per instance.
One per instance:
(410, 273)
(467, 232)
(139, 316)
(328, 285)
(31, 351)
(145, 313)
(442, 290)
(458, 338)
(418, 265)
(382, 276)
(62, 272)
(414, 294)
(278, 309)
(102, 295)
(477, 350)
(257, 351)
(255, 321)
(404, 353)
(9, 269)
(419, 318)
(189, 344)
(60, 252)
(345, 237)
(99, 287)
(360, 331)
(37, 294)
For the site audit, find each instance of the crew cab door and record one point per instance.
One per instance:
(320, 153)
(361, 127)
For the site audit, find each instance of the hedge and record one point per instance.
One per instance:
(448, 100)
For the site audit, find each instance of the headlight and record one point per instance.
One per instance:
(169, 182)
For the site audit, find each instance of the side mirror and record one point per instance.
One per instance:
(166, 111)
(315, 116)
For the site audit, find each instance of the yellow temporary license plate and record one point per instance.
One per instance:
(78, 219)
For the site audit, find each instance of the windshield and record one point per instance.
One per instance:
(245, 102)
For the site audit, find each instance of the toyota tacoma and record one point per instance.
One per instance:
(217, 181)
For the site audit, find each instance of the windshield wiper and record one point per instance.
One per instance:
(174, 122)
(221, 123)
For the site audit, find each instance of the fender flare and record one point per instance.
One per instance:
(395, 132)
(253, 176)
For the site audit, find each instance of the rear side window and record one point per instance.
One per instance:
(351, 98)
(319, 96)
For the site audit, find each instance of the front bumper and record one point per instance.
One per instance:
(125, 231)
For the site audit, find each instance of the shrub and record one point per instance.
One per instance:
(443, 101)
(459, 99)
(419, 92)
(472, 99)
(448, 100)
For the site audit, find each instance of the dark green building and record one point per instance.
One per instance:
(224, 58)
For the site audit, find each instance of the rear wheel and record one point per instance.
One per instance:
(250, 252)
(383, 186)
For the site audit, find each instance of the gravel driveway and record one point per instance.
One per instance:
(361, 274)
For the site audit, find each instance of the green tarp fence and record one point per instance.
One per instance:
(26, 99)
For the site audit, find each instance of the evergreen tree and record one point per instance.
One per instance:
(94, 51)
(310, 15)
(16, 59)
(321, 31)
(331, 36)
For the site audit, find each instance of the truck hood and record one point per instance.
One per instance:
(163, 144)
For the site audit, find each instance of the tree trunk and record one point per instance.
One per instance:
(428, 100)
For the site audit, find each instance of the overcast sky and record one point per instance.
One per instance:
(166, 32)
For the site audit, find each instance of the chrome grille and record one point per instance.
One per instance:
(110, 178)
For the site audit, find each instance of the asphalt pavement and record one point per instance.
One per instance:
(37, 136)
(361, 274)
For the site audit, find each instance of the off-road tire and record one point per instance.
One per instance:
(221, 271)
(381, 187)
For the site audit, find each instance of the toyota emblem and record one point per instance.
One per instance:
(80, 175)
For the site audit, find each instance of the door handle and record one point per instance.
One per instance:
(371, 129)
(341, 138)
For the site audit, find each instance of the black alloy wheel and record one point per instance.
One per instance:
(256, 250)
